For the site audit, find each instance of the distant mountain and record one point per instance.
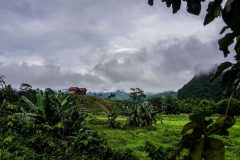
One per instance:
(118, 95)
(201, 87)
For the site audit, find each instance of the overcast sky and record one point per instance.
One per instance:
(108, 44)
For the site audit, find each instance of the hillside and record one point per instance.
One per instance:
(98, 105)
(201, 87)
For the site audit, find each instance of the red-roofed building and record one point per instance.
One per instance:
(77, 91)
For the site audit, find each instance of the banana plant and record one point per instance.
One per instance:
(142, 115)
(111, 122)
(46, 109)
(39, 111)
(54, 111)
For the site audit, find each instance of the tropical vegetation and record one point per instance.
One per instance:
(37, 124)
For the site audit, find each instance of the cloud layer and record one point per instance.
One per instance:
(102, 44)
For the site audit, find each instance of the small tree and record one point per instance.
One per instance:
(137, 95)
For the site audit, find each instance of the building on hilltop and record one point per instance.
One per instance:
(77, 91)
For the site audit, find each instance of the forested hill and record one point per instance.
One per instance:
(201, 87)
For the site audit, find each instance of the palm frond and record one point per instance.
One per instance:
(29, 103)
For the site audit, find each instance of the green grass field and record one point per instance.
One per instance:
(163, 134)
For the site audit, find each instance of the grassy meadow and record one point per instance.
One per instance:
(165, 134)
